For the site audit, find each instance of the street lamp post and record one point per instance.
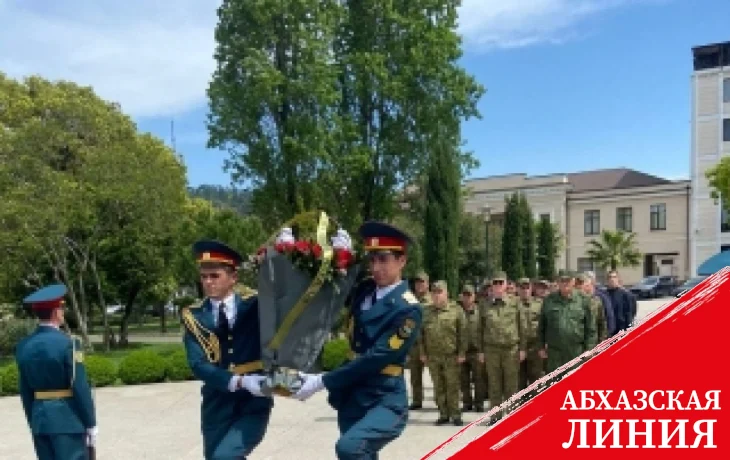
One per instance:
(487, 212)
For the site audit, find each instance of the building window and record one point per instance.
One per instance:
(591, 222)
(726, 90)
(544, 217)
(584, 264)
(724, 220)
(623, 219)
(726, 130)
(658, 217)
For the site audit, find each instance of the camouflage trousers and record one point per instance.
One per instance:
(532, 368)
(415, 367)
(471, 374)
(503, 372)
(444, 372)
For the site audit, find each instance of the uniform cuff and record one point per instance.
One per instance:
(233, 383)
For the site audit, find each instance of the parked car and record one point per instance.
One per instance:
(687, 285)
(654, 286)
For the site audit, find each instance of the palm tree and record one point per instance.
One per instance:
(615, 249)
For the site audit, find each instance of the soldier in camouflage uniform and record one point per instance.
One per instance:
(504, 342)
(444, 349)
(533, 366)
(567, 326)
(540, 289)
(415, 364)
(471, 369)
(584, 284)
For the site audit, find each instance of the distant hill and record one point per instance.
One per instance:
(224, 197)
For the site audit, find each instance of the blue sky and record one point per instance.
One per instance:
(572, 85)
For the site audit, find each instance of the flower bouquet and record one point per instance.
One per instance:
(304, 275)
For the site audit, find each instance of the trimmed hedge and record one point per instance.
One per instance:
(335, 353)
(9, 377)
(142, 366)
(12, 331)
(177, 369)
(100, 370)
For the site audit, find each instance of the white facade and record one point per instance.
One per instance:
(710, 141)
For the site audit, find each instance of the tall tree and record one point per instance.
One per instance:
(318, 99)
(614, 249)
(443, 209)
(529, 250)
(272, 99)
(546, 249)
(512, 240)
(79, 184)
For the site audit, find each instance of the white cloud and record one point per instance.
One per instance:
(489, 24)
(156, 57)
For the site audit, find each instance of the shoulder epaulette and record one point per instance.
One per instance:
(409, 297)
(207, 339)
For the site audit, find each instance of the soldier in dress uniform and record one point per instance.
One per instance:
(369, 392)
(223, 350)
(54, 389)
(415, 364)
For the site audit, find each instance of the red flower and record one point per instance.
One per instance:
(302, 246)
(343, 258)
(284, 247)
(317, 251)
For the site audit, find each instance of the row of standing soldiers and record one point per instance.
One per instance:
(498, 342)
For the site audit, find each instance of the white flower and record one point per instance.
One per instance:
(342, 240)
(286, 236)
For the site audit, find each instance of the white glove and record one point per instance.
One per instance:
(252, 383)
(312, 384)
(342, 240)
(91, 436)
(286, 236)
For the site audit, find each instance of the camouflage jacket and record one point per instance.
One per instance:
(503, 323)
(444, 331)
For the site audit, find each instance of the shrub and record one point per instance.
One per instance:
(9, 379)
(100, 370)
(335, 353)
(142, 366)
(12, 331)
(177, 368)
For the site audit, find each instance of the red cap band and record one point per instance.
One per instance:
(216, 257)
(49, 305)
(384, 243)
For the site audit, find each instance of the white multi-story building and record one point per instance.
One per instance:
(710, 126)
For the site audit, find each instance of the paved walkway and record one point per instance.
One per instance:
(161, 422)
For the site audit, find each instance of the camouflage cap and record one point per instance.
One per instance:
(543, 283)
(468, 289)
(500, 276)
(583, 278)
(523, 281)
(439, 285)
(421, 275)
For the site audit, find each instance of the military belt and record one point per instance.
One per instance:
(246, 368)
(53, 394)
(392, 370)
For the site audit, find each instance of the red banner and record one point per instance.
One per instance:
(655, 391)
